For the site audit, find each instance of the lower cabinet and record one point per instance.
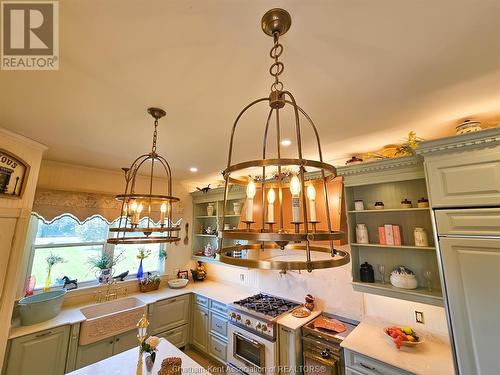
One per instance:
(169, 313)
(359, 364)
(200, 328)
(97, 351)
(217, 348)
(41, 353)
(290, 349)
(177, 336)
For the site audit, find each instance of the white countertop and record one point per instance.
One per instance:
(126, 363)
(292, 322)
(223, 293)
(433, 357)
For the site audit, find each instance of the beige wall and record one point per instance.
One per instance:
(70, 177)
(16, 212)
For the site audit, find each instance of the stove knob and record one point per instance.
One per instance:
(325, 353)
(264, 328)
(248, 322)
(258, 326)
(232, 315)
(238, 317)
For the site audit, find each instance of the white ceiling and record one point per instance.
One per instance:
(366, 71)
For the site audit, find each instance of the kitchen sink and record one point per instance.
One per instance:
(111, 318)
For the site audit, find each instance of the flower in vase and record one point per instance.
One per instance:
(153, 342)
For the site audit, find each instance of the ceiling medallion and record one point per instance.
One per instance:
(147, 206)
(304, 243)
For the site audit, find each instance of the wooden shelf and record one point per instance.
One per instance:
(413, 209)
(205, 235)
(394, 246)
(212, 260)
(421, 295)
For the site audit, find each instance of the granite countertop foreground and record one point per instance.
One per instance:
(432, 357)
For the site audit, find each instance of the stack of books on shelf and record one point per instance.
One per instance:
(389, 234)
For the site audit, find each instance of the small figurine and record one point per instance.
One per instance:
(205, 189)
(70, 284)
(199, 274)
(121, 276)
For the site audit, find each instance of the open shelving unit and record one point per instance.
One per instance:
(201, 219)
(391, 181)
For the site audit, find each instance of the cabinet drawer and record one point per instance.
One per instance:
(361, 364)
(465, 179)
(217, 348)
(218, 324)
(177, 336)
(201, 300)
(470, 222)
(170, 313)
(218, 306)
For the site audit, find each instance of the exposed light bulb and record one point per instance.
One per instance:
(163, 208)
(271, 196)
(251, 190)
(140, 207)
(133, 207)
(311, 193)
(295, 186)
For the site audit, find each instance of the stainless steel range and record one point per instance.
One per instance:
(252, 332)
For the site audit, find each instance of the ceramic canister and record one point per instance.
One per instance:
(420, 237)
(359, 205)
(361, 233)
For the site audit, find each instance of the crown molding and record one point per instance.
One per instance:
(480, 139)
(380, 165)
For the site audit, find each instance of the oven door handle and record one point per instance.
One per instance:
(251, 341)
(332, 348)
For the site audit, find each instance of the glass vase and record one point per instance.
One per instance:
(140, 271)
(48, 281)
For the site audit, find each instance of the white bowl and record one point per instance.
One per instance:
(177, 283)
(404, 281)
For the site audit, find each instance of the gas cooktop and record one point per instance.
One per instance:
(266, 304)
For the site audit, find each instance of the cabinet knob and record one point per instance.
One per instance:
(247, 322)
(118, 339)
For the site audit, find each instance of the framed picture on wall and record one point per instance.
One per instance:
(183, 275)
(13, 173)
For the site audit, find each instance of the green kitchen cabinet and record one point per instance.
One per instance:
(97, 351)
(41, 353)
(200, 328)
(169, 313)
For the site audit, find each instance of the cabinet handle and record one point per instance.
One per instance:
(205, 314)
(367, 367)
(111, 342)
(217, 349)
(43, 334)
(172, 300)
(118, 339)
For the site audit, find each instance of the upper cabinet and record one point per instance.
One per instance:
(464, 170)
(391, 181)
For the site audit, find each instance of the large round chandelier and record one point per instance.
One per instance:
(147, 203)
(286, 186)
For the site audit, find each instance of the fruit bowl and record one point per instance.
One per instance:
(403, 336)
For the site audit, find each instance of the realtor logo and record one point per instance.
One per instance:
(29, 35)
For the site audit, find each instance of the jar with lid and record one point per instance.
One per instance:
(423, 203)
(359, 205)
(421, 239)
(361, 233)
(366, 273)
(379, 205)
(405, 203)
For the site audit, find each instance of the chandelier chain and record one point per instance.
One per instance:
(155, 135)
(277, 67)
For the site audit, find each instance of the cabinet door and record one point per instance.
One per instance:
(42, 353)
(217, 348)
(200, 328)
(289, 349)
(97, 351)
(465, 179)
(177, 336)
(125, 341)
(170, 313)
(473, 289)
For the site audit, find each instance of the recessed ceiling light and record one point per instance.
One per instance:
(286, 142)
(193, 169)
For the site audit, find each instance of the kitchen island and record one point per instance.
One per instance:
(126, 363)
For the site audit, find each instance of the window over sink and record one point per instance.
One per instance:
(75, 242)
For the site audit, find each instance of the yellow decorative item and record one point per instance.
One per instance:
(52, 260)
(142, 328)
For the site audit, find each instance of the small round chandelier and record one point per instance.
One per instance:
(147, 203)
(286, 187)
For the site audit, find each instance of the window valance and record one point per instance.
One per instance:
(49, 204)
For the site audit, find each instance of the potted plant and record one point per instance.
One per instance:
(103, 264)
(143, 254)
(52, 260)
(149, 283)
